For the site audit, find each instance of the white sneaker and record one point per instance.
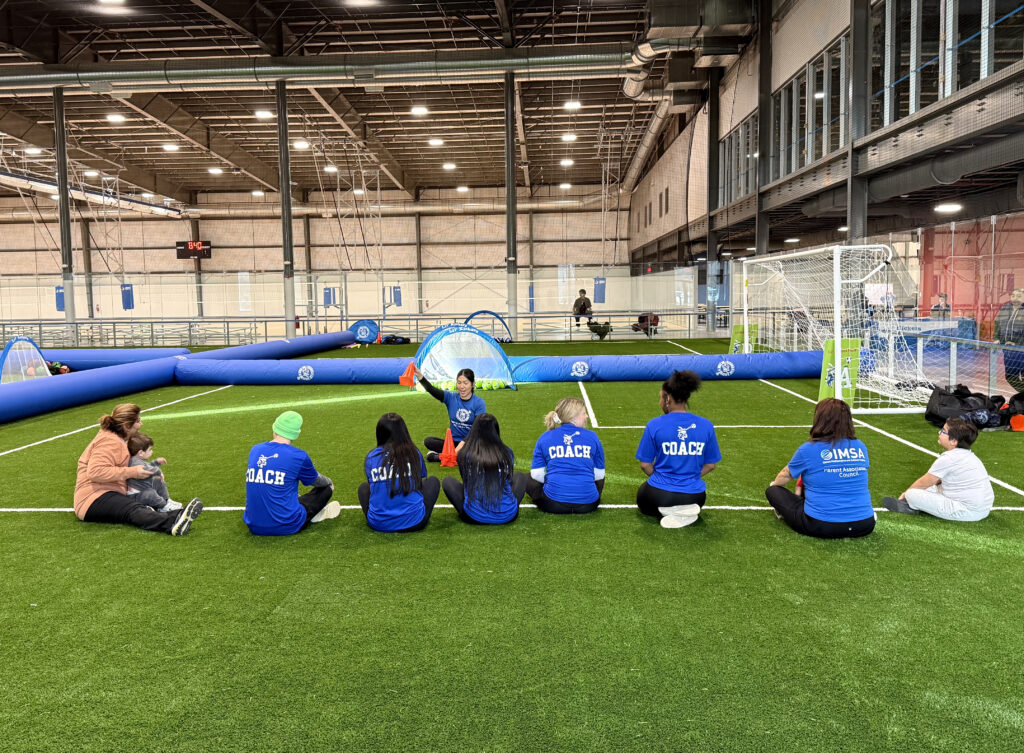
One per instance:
(171, 506)
(678, 521)
(687, 510)
(331, 510)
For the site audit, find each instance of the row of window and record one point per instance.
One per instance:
(643, 216)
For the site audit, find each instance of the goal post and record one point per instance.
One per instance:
(838, 299)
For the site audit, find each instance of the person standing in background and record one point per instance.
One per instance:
(1009, 330)
(941, 310)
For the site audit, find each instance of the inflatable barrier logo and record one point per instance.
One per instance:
(580, 369)
(363, 332)
(725, 369)
(305, 373)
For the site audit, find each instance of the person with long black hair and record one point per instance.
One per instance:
(463, 407)
(677, 450)
(490, 490)
(397, 495)
(567, 470)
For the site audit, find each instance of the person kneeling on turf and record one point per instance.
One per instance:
(397, 496)
(273, 506)
(567, 471)
(677, 450)
(490, 491)
(833, 467)
(957, 486)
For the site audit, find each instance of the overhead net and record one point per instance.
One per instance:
(21, 360)
(799, 301)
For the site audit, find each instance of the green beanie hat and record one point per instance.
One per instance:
(288, 425)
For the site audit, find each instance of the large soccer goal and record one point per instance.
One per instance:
(808, 300)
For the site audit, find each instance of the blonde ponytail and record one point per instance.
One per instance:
(565, 412)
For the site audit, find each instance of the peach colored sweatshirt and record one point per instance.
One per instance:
(102, 468)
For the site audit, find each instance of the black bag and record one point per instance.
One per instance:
(954, 403)
(1015, 405)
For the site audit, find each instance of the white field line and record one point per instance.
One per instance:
(733, 426)
(893, 437)
(93, 426)
(672, 342)
(732, 508)
(590, 408)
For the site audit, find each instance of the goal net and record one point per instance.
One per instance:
(842, 294)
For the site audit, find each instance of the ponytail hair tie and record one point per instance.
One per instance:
(557, 421)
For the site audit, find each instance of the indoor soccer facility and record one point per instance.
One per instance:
(703, 319)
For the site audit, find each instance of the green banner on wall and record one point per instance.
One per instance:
(736, 343)
(849, 364)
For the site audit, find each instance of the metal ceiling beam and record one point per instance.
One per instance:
(505, 17)
(272, 35)
(338, 107)
(166, 113)
(30, 131)
(28, 36)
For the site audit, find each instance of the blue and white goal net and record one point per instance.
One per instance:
(21, 360)
(451, 348)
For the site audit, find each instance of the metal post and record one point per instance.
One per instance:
(891, 58)
(826, 104)
(419, 262)
(83, 226)
(915, 55)
(714, 114)
(844, 93)
(794, 101)
(765, 124)
(860, 114)
(67, 259)
(307, 243)
(988, 15)
(950, 31)
(194, 228)
(812, 111)
(285, 181)
(784, 131)
(511, 250)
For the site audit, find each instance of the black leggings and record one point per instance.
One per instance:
(791, 508)
(650, 498)
(456, 494)
(314, 501)
(114, 507)
(536, 491)
(434, 444)
(431, 488)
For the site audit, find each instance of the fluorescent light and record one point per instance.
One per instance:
(263, 115)
(448, 165)
(792, 240)
(565, 186)
(111, 2)
(949, 208)
(330, 169)
(33, 151)
(257, 192)
(462, 189)
(91, 174)
(170, 147)
(572, 104)
(109, 177)
(842, 228)
(360, 3)
(419, 110)
(115, 117)
(819, 95)
(147, 195)
(358, 191)
(436, 142)
(214, 170)
(55, 196)
(751, 248)
(568, 137)
(727, 253)
(567, 163)
(300, 144)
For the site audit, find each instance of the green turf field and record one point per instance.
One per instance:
(586, 633)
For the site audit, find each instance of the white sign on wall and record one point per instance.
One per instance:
(244, 292)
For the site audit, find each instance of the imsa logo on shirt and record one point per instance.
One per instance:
(842, 454)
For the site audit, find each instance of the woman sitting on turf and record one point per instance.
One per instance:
(490, 491)
(833, 470)
(463, 406)
(567, 472)
(677, 450)
(101, 491)
(397, 495)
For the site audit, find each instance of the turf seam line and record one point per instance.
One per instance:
(732, 426)
(93, 426)
(590, 408)
(755, 508)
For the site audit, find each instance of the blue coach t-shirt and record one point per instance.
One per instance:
(835, 478)
(272, 488)
(387, 513)
(679, 445)
(506, 508)
(570, 456)
(462, 413)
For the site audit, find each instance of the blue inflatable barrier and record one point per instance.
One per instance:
(658, 368)
(287, 348)
(85, 358)
(318, 371)
(30, 398)
(365, 331)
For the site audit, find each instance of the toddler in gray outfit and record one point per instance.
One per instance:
(151, 491)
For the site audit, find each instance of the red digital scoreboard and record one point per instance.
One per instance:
(194, 249)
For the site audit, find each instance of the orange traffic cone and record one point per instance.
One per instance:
(378, 338)
(408, 378)
(448, 457)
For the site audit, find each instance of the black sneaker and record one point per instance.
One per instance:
(433, 457)
(186, 516)
(893, 504)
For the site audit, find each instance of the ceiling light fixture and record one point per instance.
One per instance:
(792, 240)
(55, 196)
(751, 248)
(263, 115)
(257, 193)
(436, 142)
(567, 163)
(568, 137)
(462, 189)
(360, 3)
(448, 165)
(842, 228)
(950, 207)
(115, 117)
(170, 147)
(419, 110)
(91, 174)
(111, 2)
(358, 191)
(572, 104)
(330, 169)
(819, 95)
(214, 170)
(565, 186)
(147, 195)
(33, 151)
(300, 144)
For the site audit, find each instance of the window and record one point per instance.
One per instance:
(666, 199)
(661, 201)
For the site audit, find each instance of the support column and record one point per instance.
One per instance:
(67, 259)
(988, 17)
(285, 182)
(915, 55)
(83, 226)
(714, 84)
(764, 121)
(194, 231)
(860, 114)
(511, 248)
(419, 263)
(307, 247)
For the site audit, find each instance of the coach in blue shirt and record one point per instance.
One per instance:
(832, 500)
(567, 471)
(273, 506)
(463, 407)
(677, 450)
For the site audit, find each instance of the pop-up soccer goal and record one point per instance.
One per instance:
(812, 300)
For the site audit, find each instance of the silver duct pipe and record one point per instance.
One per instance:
(643, 149)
